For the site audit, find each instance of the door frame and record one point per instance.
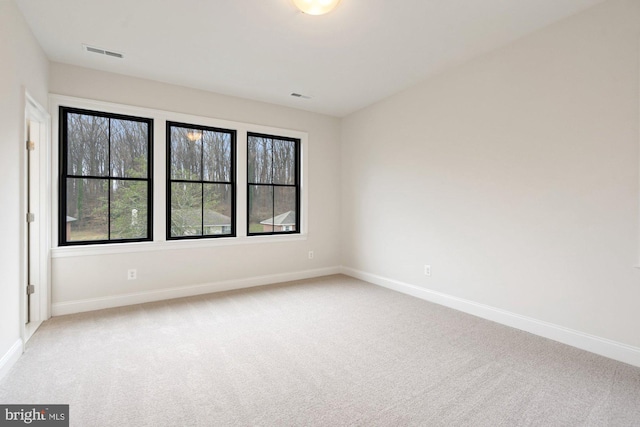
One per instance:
(34, 112)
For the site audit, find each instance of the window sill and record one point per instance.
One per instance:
(125, 248)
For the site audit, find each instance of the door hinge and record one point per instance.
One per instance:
(31, 289)
(31, 145)
(31, 217)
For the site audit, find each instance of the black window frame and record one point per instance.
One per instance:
(298, 143)
(64, 175)
(233, 133)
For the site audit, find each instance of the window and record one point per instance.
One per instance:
(105, 177)
(200, 181)
(273, 181)
(107, 198)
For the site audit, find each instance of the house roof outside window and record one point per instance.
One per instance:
(287, 218)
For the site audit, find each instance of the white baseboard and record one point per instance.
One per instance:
(602, 346)
(10, 358)
(78, 306)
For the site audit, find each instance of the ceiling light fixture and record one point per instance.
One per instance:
(316, 7)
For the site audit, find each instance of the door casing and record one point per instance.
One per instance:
(36, 188)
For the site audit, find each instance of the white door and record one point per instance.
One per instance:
(36, 189)
(33, 220)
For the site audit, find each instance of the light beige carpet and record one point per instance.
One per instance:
(332, 351)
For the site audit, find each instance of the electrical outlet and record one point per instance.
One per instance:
(132, 274)
(310, 254)
(427, 270)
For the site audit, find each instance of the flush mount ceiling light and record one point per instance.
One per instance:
(316, 7)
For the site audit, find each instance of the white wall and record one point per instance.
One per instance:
(103, 277)
(515, 176)
(23, 66)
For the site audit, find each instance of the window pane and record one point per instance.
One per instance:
(87, 209)
(186, 154)
(129, 148)
(99, 147)
(217, 209)
(87, 145)
(128, 209)
(186, 209)
(217, 156)
(202, 156)
(284, 162)
(260, 156)
(285, 209)
(260, 209)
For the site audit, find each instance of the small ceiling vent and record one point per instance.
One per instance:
(101, 51)
(299, 95)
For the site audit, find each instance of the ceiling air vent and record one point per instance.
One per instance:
(100, 51)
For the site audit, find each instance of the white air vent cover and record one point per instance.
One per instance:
(101, 51)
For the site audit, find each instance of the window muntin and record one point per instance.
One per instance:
(105, 178)
(273, 184)
(200, 181)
